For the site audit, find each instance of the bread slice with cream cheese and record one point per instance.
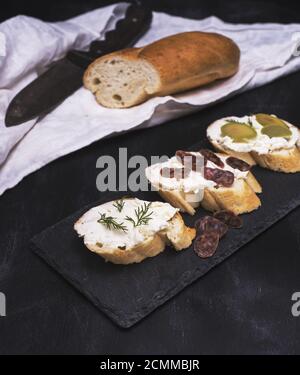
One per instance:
(130, 230)
(275, 143)
(191, 191)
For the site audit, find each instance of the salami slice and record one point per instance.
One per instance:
(193, 162)
(206, 244)
(229, 218)
(178, 173)
(211, 224)
(219, 176)
(180, 155)
(211, 156)
(239, 164)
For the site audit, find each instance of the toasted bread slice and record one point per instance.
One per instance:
(284, 160)
(209, 203)
(149, 248)
(279, 152)
(239, 198)
(174, 233)
(246, 156)
(177, 199)
(178, 234)
(253, 183)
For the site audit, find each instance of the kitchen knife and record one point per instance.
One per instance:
(127, 24)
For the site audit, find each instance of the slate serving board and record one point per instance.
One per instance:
(126, 294)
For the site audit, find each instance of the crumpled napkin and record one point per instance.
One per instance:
(28, 46)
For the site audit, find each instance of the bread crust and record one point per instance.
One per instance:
(253, 183)
(240, 198)
(150, 248)
(192, 59)
(285, 160)
(209, 202)
(177, 234)
(177, 200)
(180, 62)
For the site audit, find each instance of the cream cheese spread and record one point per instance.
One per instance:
(194, 182)
(95, 232)
(192, 186)
(262, 144)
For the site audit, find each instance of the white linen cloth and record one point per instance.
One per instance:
(28, 45)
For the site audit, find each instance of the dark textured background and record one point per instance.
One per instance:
(243, 306)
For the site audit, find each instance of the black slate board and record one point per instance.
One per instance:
(126, 294)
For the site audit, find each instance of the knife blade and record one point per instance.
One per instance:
(126, 25)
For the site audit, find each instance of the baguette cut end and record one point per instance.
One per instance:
(118, 82)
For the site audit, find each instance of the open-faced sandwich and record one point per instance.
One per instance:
(214, 180)
(260, 139)
(129, 230)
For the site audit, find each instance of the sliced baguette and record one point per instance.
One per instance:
(253, 183)
(209, 202)
(149, 248)
(177, 234)
(246, 156)
(212, 199)
(284, 160)
(173, 64)
(177, 199)
(239, 198)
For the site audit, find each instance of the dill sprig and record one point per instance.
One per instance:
(142, 215)
(119, 204)
(111, 223)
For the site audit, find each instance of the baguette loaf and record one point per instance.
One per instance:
(133, 244)
(173, 64)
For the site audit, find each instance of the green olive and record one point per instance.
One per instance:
(238, 132)
(267, 120)
(276, 131)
